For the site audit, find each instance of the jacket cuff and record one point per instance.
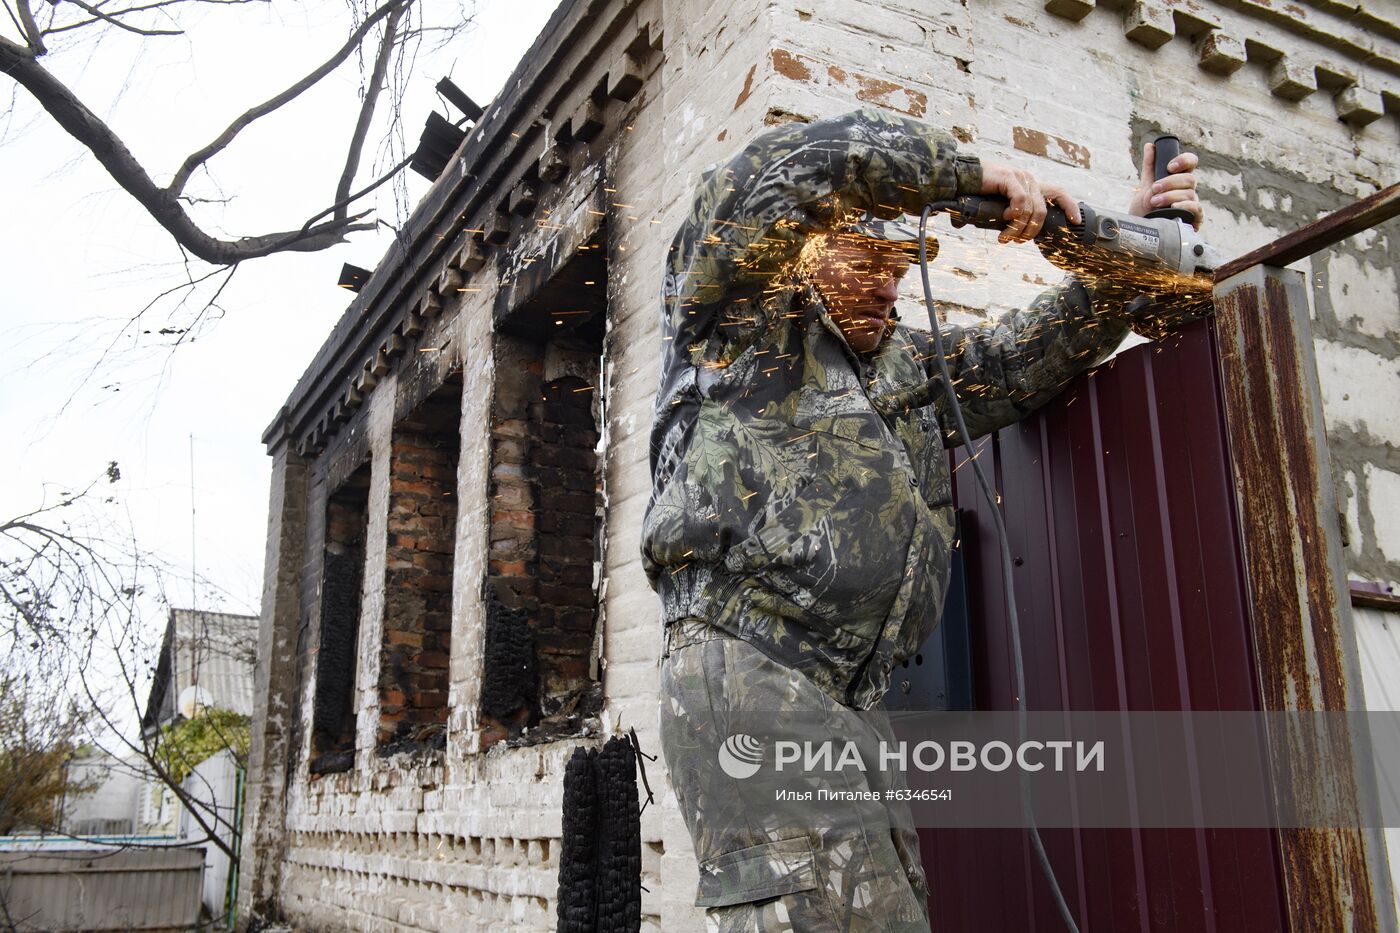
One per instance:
(968, 169)
(1156, 317)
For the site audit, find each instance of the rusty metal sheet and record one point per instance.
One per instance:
(1299, 606)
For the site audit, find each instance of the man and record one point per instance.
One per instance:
(800, 523)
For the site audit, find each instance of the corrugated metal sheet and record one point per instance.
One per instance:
(1130, 591)
(211, 650)
(1378, 644)
(214, 650)
(98, 890)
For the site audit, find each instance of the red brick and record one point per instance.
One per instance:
(415, 486)
(514, 568)
(552, 413)
(491, 733)
(573, 670)
(578, 480)
(551, 523)
(568, 548)
(580, 575)
(509, 450)
(442, 473)
(513, 497)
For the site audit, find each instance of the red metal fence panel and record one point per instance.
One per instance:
(1130, 588)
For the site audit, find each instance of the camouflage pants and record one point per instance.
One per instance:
(805, 867)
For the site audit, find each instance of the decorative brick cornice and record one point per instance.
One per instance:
(1303, 47)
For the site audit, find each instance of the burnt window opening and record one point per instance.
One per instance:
(541, 678)
(342, 579)
(421, 534)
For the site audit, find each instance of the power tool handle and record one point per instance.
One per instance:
(1167, 147)
(986, 211)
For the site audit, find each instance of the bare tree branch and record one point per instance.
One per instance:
(357, 139)
(196, 159)
(151, 760)
(86, 127)
(31, 32)
(361, 193)
(98, 14)
(211, 303)
(51, 30)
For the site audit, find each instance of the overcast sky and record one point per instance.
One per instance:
(78, 386)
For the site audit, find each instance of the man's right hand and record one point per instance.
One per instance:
(1025, 214)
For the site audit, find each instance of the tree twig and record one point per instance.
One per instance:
(51, 30)
(359, 194)
(32, 36)
(109, 18)
(201, 156)
(13, 18)
(357, 139)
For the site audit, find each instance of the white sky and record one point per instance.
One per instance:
(79, 258)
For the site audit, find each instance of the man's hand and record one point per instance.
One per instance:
(1026, 213)
(1176, 190)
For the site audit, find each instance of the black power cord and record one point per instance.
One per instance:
(1006, 574)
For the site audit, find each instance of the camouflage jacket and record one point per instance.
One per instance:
(801, 495)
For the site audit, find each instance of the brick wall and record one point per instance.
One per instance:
(342, 577)
(544, 493)
(421, 531)
(565, 467)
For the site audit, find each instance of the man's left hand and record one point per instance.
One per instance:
(1176, 190)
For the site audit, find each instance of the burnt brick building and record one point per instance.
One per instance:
(454, 599)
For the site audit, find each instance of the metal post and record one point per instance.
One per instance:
(1300, 614)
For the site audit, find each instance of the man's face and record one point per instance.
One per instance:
(858, 280)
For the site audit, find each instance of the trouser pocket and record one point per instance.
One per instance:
(755, 873)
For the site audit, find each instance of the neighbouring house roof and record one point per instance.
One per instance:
(210, 650)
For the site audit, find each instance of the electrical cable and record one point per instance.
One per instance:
(1006, 574)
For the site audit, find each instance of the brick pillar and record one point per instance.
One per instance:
(264, 815)
(511, 578)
